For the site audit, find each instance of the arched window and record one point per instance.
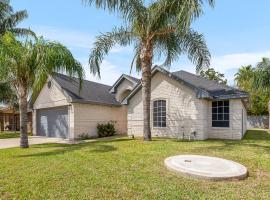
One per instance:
(159, 113)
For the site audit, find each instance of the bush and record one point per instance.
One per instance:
(106, 130)
(85, 136)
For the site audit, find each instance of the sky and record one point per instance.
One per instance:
(236, 32)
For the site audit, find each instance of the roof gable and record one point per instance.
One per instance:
(123, 77)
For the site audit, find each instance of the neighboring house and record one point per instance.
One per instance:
(10, 119)
(182, 104)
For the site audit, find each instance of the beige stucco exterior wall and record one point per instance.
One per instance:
(87, 116)
(125, 85)
(237, 127)
(185, 113)
(49, 98)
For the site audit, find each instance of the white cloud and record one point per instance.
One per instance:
(233, 61)
(230, 63)
(109, 73)
(71, 38)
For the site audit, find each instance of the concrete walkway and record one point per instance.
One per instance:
(15, 142)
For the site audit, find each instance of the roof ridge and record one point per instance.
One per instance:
(213, 81)
(66, 76)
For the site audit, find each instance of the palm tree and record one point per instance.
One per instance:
(261, 79)
(244, 77)
(26, 65)
(10, 19)
(160, 28)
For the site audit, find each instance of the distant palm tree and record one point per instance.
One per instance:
(26, 65)
(10, 19)
(244, 77)
(160, 28)
(262, 75)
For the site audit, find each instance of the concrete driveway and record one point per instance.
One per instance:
(15, 142)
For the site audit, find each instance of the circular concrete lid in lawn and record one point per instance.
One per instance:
(204, 167)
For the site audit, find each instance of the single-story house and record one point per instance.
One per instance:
(10, 119)
(182, 105)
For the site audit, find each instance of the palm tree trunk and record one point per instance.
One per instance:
(23, 120)
(146, 62)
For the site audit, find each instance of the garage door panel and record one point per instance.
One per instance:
(53, 122)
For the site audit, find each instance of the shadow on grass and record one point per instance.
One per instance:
(58, 149)
(254, 138)
(257, 135)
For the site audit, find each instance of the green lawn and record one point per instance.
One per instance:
(10, 134)
(130, 169)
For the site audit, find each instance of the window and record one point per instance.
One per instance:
(159, 113)
(220, 114)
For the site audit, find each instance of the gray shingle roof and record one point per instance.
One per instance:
(204, 88)
(214, 88)
(91, 92)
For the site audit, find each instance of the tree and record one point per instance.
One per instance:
(244, 79)
(211, 74)
(9, 97)
(10, 19)
(261, 82)
(161, 29)
(27, 64)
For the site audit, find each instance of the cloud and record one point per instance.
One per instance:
(71, 38)
(230, 63)
(234, 61)
(109, 73)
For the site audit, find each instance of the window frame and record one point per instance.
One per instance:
(155, 124)
(220, 113)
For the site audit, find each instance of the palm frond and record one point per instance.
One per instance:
(23, 32)
(180, 13)
(14, 19)
(195, 46)
(136, 59)
(261, 80)
(128, 9)
(53, 57)
(104, 43)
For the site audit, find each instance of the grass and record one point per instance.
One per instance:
(11, 134)
(130, 169)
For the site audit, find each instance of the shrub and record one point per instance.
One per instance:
(85, 136)
(106, 130)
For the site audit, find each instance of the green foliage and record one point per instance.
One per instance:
(163, 26)
(211, 74)
(85, 136)
(27, 64)
(106, 130)
(9, 19)
(247, 79)
(262, 76)
(8, 95)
